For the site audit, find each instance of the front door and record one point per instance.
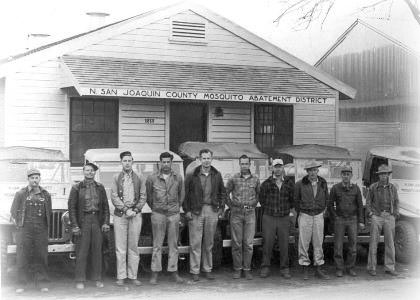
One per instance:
(188, 122)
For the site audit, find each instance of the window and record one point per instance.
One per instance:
(93, 124)
(273, 126)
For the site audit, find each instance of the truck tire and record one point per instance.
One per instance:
(217, 248)
(109, 256)
(405, 242)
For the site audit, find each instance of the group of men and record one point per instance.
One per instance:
(203, 197)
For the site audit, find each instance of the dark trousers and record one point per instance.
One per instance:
(32, 252)
(341, 226)
(89, 249)
(272, 226)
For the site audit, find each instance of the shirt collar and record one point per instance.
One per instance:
(169, 174)
(129, 174)
(35, 190)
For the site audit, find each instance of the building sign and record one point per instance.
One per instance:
(215, 96)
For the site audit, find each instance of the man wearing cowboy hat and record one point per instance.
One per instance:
(311, 198)
(346, 207)
(382, 206)
(30, 212)
(89, 217)
(276, 199)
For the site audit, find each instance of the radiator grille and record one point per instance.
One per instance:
(55, 231)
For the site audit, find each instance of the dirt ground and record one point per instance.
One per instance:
(383, 286)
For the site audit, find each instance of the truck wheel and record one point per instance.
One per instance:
(405, 242)
(217, 248)
(109, 256)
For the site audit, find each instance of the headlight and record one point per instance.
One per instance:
(65, 219)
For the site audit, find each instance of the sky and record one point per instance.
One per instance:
(64, 18)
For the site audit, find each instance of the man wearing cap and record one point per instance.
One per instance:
(311, 198)
(165, 194)
(276, 199)
(346, 208)
(89, 217)
(128, 195)
(242, 189)
(382, 206)
(205, 198)
(30, 212)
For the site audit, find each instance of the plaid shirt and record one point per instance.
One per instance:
(244, 190)
(277, 202)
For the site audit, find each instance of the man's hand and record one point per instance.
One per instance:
(361, 226)
(220, 213)
(105, 228)
(76, 231)
(130, 213)
(188, 216)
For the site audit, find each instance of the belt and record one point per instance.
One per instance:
(94, 212)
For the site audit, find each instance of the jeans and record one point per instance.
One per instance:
(32, 252)
(272, 226)
(387, 222)
(127, 234)
(340, 227)
(89, 246)
(161, 225)
(202, 229)
(242, 223)
(311, 228)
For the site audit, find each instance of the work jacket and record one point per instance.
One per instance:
(373, 199)
(117, 198)
(305, 201)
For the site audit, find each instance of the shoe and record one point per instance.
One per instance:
(120, 282)
(19, 290)
(44, 290)
(392, 272)
(352, 272)
(236, 274)
(320, 274)
(305, 272)
(153, 279)
(210, 276)
(265, 271)
(99, 284)
(286, 274)
(135, 282)
(195, 277)
(80, 285)
(177, 278)
(248, 275)
(372, 272)
(339, 273)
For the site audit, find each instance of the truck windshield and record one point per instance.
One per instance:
(402, 170)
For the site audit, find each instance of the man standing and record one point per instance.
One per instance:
(89, 217)
(346, 207)
(311, 198)
(165, 194)
(205, 197)
(243, 189)
(382, 206)
(128, 194)
(276, 199)
(30, 212)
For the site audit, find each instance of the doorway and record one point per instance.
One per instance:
(188, 122)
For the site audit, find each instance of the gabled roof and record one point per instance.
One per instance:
(350, 29)
(65, 46)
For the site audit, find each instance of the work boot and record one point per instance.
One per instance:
(195, 277)
(80, 285)
(19, 290)
(99, 284)
(210, 276)
(392, 272)
(236, 274)
(265, 271)
(248, 275)
(320, 274)
(177, 278)
(352, 272)
(285, 273)
(135, 282)
(339, 273)
(372, 272)
(305, 272)
(153, 279)
(120, 282)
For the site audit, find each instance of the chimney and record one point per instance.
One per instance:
(96, 19)
(36, 40)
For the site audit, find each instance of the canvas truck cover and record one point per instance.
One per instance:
(21, 153)
(314, 151)
(221, 150)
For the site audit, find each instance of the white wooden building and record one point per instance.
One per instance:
(160, 78)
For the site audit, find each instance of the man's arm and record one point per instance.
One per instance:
(221, 197)
(396, 203)
(359, 202)
(229, 190)
(116, 201)
(369, 198)
(297, 197)
(181, 190)
(149, 191)
(186, 206)
(105, 206)
(72, 205)
(142, 192)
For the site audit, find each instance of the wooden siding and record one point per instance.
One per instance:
(409, 134)
(314, 124)
(359, 137)
(134, 132)
(37, 111)
(151, 42)
(384, 74)
(233, 126)
(2, 111)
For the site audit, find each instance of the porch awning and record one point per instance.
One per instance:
(115, 77)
